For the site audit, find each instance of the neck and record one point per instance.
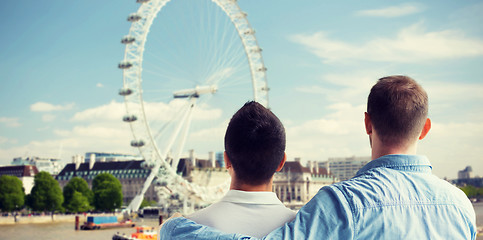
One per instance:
(379, 149)
(237, 185)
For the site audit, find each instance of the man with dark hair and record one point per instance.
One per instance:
(395, 196)
(254, 151)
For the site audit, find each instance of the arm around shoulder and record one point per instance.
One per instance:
(182, 228)
(326, 216)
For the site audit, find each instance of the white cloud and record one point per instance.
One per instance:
(411, 44)
(99, 85)
(452, 146)
(155, 111)
(102, 129)
(4, 140)
(47, 107)
(351, 87)
(454, 91)
(112, 111)
(62, 133)
(338, 134)
(393, 11)
(10, 122)
(48, 117)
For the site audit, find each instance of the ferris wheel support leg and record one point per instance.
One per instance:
(185, 134)
(136, 202)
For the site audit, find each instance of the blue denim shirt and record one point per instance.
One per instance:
(392, 197)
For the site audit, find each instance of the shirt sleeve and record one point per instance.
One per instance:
(326, 216)
(182, 228)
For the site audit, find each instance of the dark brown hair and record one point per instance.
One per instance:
(398, 108)
(255, 143)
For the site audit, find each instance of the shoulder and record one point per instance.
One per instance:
(208, 215)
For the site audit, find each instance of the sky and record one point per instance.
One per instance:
(59, 76)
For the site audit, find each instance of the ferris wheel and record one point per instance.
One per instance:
(201, 63)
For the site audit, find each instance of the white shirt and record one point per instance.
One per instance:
(250, 213)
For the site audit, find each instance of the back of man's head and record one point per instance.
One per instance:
(255, 143)
(398, 108)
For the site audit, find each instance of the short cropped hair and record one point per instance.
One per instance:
(398, 108)
(255, 143)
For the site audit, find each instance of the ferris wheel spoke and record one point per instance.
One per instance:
(174, 119)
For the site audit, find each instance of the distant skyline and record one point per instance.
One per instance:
(60, 78)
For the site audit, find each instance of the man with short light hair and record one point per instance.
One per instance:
(395, 196)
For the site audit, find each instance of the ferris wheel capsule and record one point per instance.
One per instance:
(241, 15)
(137, 143)
(249, 32)
(142, 1)
(124, 65)
(129, 118)
(147, 165)
(256, 50)
(128, 39)
(134, 17)
(125, 91)
(161, 183)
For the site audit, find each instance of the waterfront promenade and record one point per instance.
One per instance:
(47, 218)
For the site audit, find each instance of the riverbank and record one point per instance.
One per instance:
(39, 219)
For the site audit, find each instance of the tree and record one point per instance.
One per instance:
(80, 186)
(12, 195)
(146, 203)
(107, 192)
(78, 203)
(46, 194)
(469, 190)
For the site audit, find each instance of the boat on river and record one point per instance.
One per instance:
(105, 222)
(142, 233)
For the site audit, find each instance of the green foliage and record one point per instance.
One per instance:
(146, 203)
(12, 196)
(79, 186)
(46, 194)
(78, 203)
(472, 191)
(107, 192)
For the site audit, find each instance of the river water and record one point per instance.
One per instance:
(61, 231)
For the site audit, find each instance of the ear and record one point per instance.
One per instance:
(427, 126)
(280, 166)
(226, 160)
(368, 123)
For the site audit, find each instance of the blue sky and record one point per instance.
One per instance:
(59, 77)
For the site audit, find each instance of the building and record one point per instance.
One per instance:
(466, 173)
(50, 165)
(345, 168)
(295, 184)
(220, 159)
(25, 173)
(110, 157)
(130, 173)
(204, 172)
(466, 177)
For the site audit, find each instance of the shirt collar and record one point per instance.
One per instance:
(237, 196)
(413, 163)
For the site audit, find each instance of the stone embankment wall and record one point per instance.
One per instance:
(44, 219)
